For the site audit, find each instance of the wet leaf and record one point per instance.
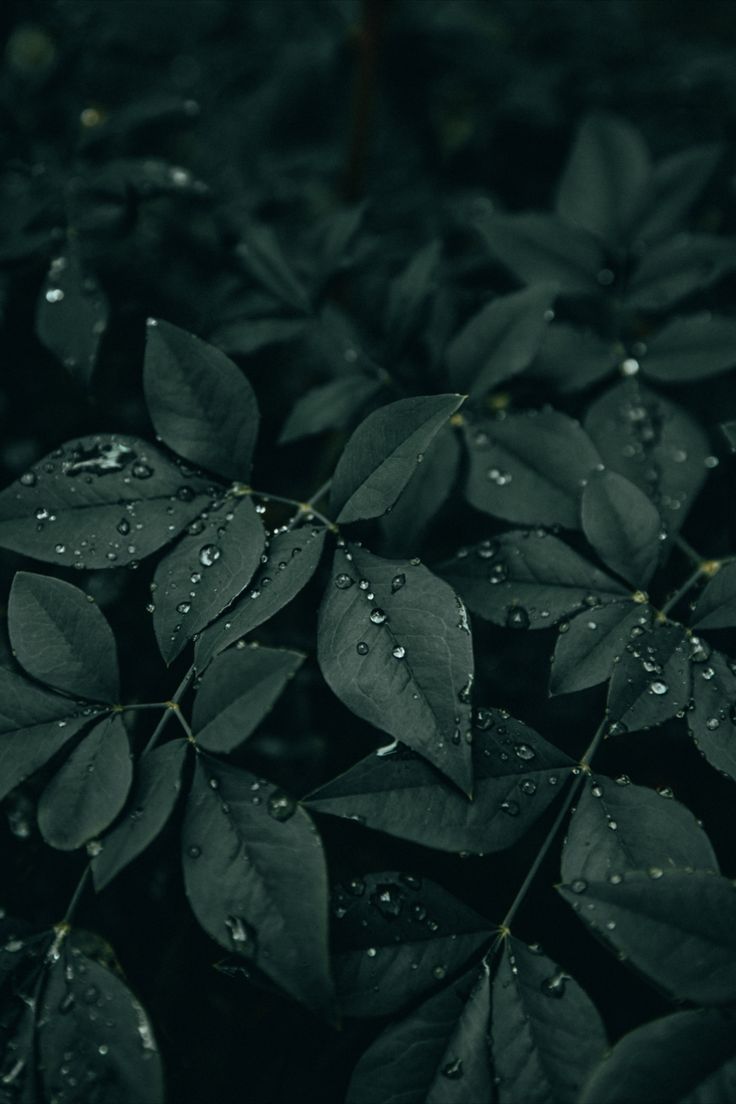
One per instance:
(546, 1034)
(651, 681)
(396, 938)
(293, 556)
(716, 605)
(383, 452)
(590, 645)
(256, 879)
(618, 827)
(201, 405)
(156, 786)
(205, 571)
(526, 579)
(530, 467)
(712, 720)
(237, 691)
(517, 775)
(103, 501)
(71, 315)
(678, 928)
(394, 645)
(60, 637)
(90, 789)
(622, 525)
(422, 498)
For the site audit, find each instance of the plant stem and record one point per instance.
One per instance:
(302, 508)
(688, 549)
(169, 709)
(143, 705)
(679, 594)
(77, 894)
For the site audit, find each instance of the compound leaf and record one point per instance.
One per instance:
(237, 691)
(716, 605)
(60, 637)
(622, 525)
(590, 644)
(651, 681)
(201, 405)
(156, 786)
(394, 644)
(90, 789)
(712, 720)
(383, 452)
(530, 468)
(255, 877)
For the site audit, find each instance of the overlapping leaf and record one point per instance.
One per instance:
(651, 681)
(716, 605)
(622, 525)
(538, 247)
(712, 720)
(590, 645)
(71, 315)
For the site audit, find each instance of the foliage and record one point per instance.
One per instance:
(399, 497)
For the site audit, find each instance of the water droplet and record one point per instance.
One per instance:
(280, 806)
(364, 584)
(54, 295)
(28, 479)
(658, 688)
(399, 651)
(655, 872)
(141, 471)
(60, 549)
(523, 751)
(555, 985)
(517, 618)
(616, 879)
(41, 513)
(579, 885)
(377, 616)
(343, 581)
(510, 808)
(596, 790)
(389, 900)
(397, 582)
(439, 972)
(184, 607)
(453, 1070)
(362, 648)
(629, 367)
(209, 554)
(240, 932)
(528, 786)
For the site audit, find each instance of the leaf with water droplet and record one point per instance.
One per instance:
(237, 691)
(679, 929)
(381, 456)
(402, 795)
(585, 654)
(200, 403)
(89, 790)
(606, 171)
(269, 873)
(652, 442)
(151, 801)
(716, 604)
(416, 700)
(427, 490)
(538, 247)
(651, 682)
(406, 1064)
(224, 552)
(78, 1047)
(500, 341)
(412, 926)
(60, 637)
(649, 832)
(622, 525)
(532, 570)
(714, 699)
(689, 1057)
(529, 467)
(299, 551)
(71, 314)
(541, 1049)
(84, 488)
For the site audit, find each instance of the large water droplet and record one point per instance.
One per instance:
(343, 581)
(658, 687)
(397, 582)
(377, 616)
(209, 554)
(362, 648)
(389, 900)
(280, 806)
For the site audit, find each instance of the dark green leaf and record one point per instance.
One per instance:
(729, 432)
(337, 239)
(383, 452)
(96, 1038)
(293, 556)
(543, 247)
(607, 168)
(673, 187)
(251, 334)
(716, 605)
(90, 789)
(517, 774)
(151, 801)
(654, 443)
(617, 827)
(590, 645)
(71, 315)
(678, 927)
(396, 937)
(686, 1058)
(255, 877)
(530, 467)
(409, 292)
(34, 725)
(102, 501)
(394, 644)
(573, 358)
(205, 571)
(651, 681)
(546, 1034)
(436, 1055)
(501, 340)
(237, 691)
(201, 405)
(678, 267)
(622, 525)
(261, 254)
(527, 579)
(424, 494)
(60, 637)
(712, 720)
(692, 347)
(329, 406)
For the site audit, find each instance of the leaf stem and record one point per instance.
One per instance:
(302, 508)
(171, 706)
(77, 894)
(688, 550)
(143, 705)
(680, 593)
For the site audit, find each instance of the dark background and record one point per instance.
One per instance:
(285, 109)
